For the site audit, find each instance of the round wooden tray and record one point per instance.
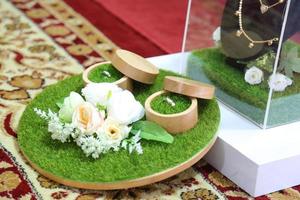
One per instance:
(54, 160)
(127, 183)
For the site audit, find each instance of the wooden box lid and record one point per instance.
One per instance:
(189, 87)
(134, 66)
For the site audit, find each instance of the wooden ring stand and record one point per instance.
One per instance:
(173, 123)
(124, 82)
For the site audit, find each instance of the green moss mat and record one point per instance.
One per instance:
(231, 79)
(68, 161)
(96, 75)
(160, 104)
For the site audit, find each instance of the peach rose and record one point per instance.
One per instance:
(113, 133)
(87, 118)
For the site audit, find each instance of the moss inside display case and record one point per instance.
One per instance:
(231, 79)
(210, 65)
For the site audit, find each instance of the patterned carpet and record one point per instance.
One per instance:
(42, 42)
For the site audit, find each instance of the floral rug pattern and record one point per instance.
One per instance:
(42, 42)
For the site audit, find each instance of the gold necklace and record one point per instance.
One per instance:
(241, 31)
(264, 7)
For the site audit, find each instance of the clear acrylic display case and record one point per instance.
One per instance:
(250, 50)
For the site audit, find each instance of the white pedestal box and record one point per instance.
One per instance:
(259, 161)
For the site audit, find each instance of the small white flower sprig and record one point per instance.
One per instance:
(106, 120)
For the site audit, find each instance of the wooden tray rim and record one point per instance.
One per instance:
(125, 184)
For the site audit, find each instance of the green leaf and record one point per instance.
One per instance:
(100, 107)
(288, 71)
(109, 94)
(69, 105)
(292, 53)
(296, 65)
(264, 62)
(290, 61)
(60, 102)
(151, 131)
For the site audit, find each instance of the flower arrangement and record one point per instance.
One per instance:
(277, 82)
(257, 68)
(104, 118)
(288, 65)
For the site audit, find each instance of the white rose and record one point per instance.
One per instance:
(254, 76)
(70, 103)
(112, 132)
(87, 118)
(278, 82)
(216, 36)
(100, 93)
(124, 108)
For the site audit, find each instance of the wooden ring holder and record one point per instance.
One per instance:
(124, 82)
(173, 123)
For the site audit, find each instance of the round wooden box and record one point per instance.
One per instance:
(180, 122)
(124, 82)
(173, 123)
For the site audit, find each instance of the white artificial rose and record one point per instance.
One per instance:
(112, 132)
(87, 118)
(124, 108)
(70, 103)
(216, 36)
(100, 93)
(278, 82)
(254, 76)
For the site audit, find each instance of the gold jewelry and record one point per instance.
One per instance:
(241, 31)
(264, 7)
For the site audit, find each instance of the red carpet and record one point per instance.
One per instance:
(46, 41)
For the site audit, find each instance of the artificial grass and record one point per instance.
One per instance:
(96, 75)
(159, 103)
(68, 161)
(231, 79)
